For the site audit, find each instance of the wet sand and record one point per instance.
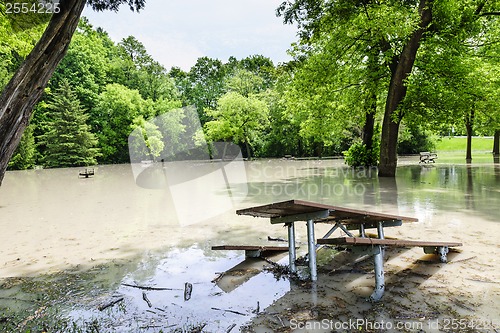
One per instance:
(52, 221)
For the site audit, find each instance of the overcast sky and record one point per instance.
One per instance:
(177, 32)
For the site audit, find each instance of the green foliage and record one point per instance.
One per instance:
(205, 85)
(414, 139)
(85, 65)
(100, 5)
(238, 119)
(18, 35)
(117, 107)
(245, 83)
(24, 156)
(151, 135)
(359, 156)
(134, 68)
(68, 140)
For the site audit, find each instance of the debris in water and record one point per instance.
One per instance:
(146, 299)
(113, 302)
(188, 289)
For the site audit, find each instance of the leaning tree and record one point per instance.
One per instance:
(26, 87)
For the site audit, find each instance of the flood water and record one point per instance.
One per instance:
(79, 243)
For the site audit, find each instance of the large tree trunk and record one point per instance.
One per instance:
(401, 69)
(26, 87)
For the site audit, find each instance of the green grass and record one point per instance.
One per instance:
(458, 157)
(452, 149)
(456, 144)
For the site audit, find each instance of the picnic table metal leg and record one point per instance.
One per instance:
(328, 234)
(291, 247)
(378, 259)
(344, 229)
(380, 230)
(441, 251)
(362, 232)
(312, 250)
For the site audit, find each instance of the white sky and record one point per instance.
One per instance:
(178, 32)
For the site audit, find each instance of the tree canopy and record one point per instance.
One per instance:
(371, 79)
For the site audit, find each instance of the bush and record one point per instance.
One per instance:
(359, 156)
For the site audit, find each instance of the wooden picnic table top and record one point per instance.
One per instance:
(345, 215)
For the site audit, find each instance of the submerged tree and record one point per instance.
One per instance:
(68, 140)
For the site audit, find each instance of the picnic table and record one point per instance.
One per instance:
(346, 219)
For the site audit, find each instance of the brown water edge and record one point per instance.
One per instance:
(55, 221)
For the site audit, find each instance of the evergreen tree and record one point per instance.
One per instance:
(68, 139)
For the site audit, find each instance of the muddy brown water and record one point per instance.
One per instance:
(86, 238)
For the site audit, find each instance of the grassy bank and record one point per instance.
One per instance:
(453, 149)
(456, 144)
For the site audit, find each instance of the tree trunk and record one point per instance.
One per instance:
(469, 125)
(468, 154)
(369, 125)
(401, 69)
(496, 142)
(368, 129)
(26, 87)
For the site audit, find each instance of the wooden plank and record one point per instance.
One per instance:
(250, 248)
(387, 242)
(372, 225)
(296, 207)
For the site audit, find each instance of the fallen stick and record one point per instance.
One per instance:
(105, 306)
(232, 311)
(146, 299)
(230, 328)
(217, 279)
(462, 260)
(147, 288)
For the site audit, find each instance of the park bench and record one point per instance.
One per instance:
(427, 157)
(87, 173)
(376, 245)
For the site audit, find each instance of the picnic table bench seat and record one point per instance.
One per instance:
(377, 244)
(440, 248)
